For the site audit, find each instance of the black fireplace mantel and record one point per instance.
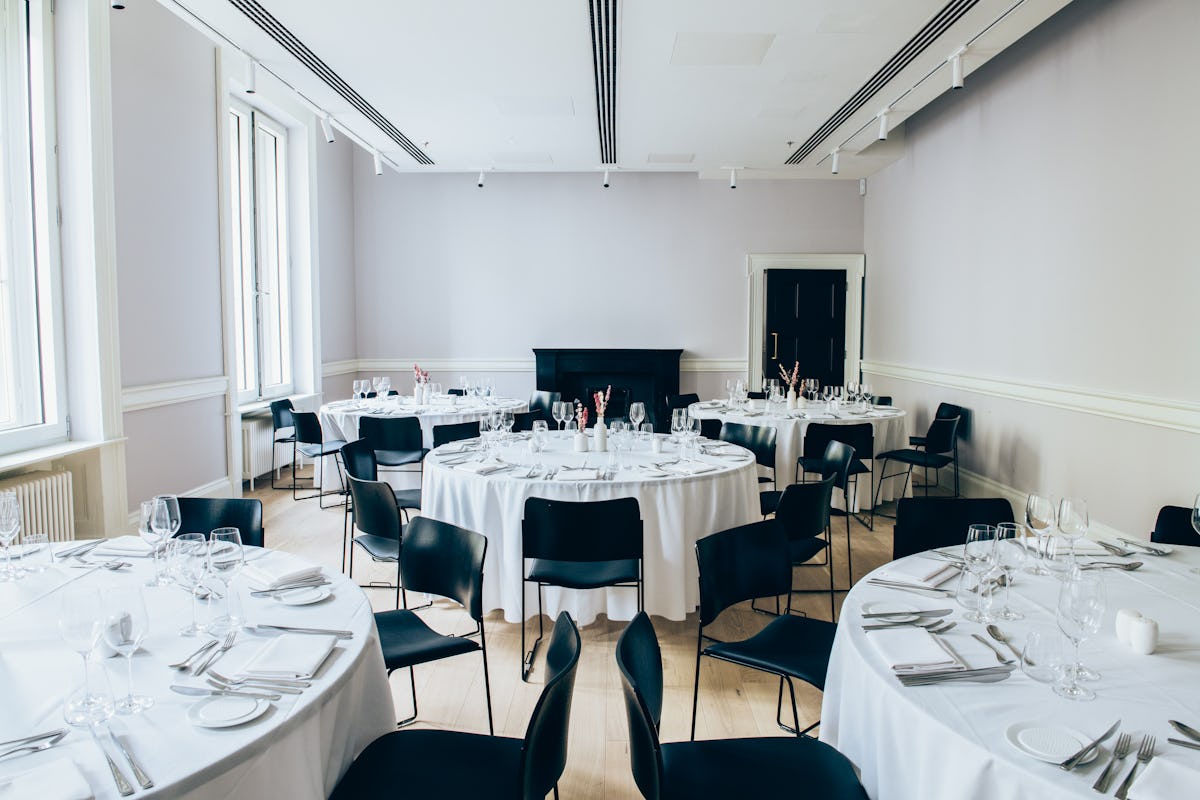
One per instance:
(649, 375)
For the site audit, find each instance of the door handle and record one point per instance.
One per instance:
(775, 355)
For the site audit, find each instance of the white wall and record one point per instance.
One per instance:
(1040, 233)
(448, 271)
(335, 204)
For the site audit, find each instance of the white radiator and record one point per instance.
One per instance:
(258, 434)
(47, 503)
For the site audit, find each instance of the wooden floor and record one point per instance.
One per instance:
(734, 702)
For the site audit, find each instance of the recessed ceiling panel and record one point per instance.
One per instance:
(720, 49)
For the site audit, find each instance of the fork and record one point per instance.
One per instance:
(187, 662)
(1144, 754)
(245, 680)
(1116, 551)
(1119, 752)
(215, 654)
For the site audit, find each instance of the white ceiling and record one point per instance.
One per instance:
(702, 85)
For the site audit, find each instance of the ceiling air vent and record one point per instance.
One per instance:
(603, 15)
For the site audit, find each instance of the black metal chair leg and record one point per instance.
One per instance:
(527, 664)
(779, 708)
(487, 683)
(696, 685)
(412, 679)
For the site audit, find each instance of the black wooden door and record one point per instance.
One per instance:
(806, 322)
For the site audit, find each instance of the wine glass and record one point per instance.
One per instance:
(189, 554)
(10, 524)
(225, 559)
(678, 422)
(375, 383)
(80, 623)
(637, 413)
(1010, 557)
(1081, 605)
(557, 412)
(813, 386)
(851, 391)
(865, 394)
(1041, 517)
(125, 626)
(156, 536)
(979, 558)
(1072, 520)
(507, 421)
(385, 385)
(355, 389)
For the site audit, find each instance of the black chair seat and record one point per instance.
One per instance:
(756, 767)
(408, 498)
(326, 448)
(795, 646)
(407, 640)
(379, 547)
(285, 439)
(769, 501)
(398, 458)
(918, 458)
(584, 574)
(443, 764)
(802, 550)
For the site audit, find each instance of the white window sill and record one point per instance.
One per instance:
(27, 458)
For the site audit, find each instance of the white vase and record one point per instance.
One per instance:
(791, 400)
(600, 435)
(581, 442)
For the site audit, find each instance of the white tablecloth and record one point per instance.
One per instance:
(298, 749)
(888, 423)
(949, 741)
(339, 420)
(676, 511)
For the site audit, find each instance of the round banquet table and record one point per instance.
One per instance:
(887, 422)
(676, 511)
(949, 740)
(339, 420)
(298, 749)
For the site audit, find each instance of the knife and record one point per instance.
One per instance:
(1182, 743)
(139, 775)
(1154, 551)
(197, 691)
(37, 737)
(1186, 730)
(123, 785)
(320, 631)
(1073, 762)
(79, 550)
(937, 612)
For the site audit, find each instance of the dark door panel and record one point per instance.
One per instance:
(806, 322)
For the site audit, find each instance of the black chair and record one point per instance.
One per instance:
(884, 400)
(940, 449)
(444, 560)
(923, 523)
(860, 436)
(523, 420)
(1174, 526)
(756, 395)
(755, 767)
(711, 428)
(358, 457)
(744, 563)
(444, 434)
(283, 432)
(203, 514)
(452, 764)
(674, 401)
(458, 392)
(944, 411)
(803, 514)
(542, 404)
(310, 441)
(397, 440)
(760, 440)
(374, 511)
(839, 459)
(579, 546)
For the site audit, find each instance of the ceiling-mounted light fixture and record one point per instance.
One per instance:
(956, 68)
(327, 128)
(479, 183)
(835, 157)
(883, 124)
(378, 163)
(252, 78)
(606, 179)
(732, 178)
(117, 5)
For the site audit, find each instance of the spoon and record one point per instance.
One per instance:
(999, 636)
(1186, 730)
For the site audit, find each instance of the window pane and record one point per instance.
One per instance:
(242, 236)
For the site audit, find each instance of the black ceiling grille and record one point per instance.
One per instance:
(288, 41)
(603, 15)
(940, 23)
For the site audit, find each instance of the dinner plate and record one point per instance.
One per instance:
(887, 607)
(304, 596)
(224, 711)
(1046, 742)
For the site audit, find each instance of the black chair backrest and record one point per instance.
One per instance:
(359, 459)
(883, 400)
(639, 660)
(711, 428)
(838, 456)
(675, 401)
(565, 530)
(281, 414)
(803, 509)
(308, 427)
(741, 564)
(443, 434)
(923, 523)
(458, 392)
(523, 420)
(544, 751)
(942, 435)
(543, 403)
(202, 514)
(758, 439)
(860, 436)
(1174, 526)
(445, 560)
(948, 411)
(756, 395)
(391, 433)
(373, 504)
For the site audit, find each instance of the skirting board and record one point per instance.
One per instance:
(221, 487)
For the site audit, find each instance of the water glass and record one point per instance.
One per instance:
(10, 525)
(678, 423)
(38, 557)
(125, 626)
(79, 624)
(1010, 557)
(156, 536)
(1081, 606)
(979, 557)
(1041, 515)
(225, 560)
(637, 413)
(189, 559)
(1072, 520)
(1042, 656)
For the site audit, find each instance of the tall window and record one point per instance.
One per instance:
(258, 164)
(31, 388)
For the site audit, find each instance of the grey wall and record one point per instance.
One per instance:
(336, 215)
(1041, 231)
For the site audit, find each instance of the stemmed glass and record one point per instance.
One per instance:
(10, 524)
(851, 391)
(80, 625)
(225, 559)
(729, 387)
(385, 385)
(507, 421)
(1081, 604)
(864, 390)
(126, 625)
(1010, 557)
(557, 412)
(356, 389)
(979, 557)
(1041, 517)
(827, 396)
(155, 535)
(1072, 521)
(637, 413)
(813, 386)
(678, 423)
(189, 552)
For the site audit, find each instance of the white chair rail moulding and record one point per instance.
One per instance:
(1162, 412)
(153, 395)
(388, 365)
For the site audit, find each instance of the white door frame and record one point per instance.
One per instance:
(853, 263)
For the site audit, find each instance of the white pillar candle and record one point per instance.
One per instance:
(1143, 635)
(1125, 618)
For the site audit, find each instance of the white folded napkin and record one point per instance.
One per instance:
(712, 403)
(126, 546)
(457, 447)
(55, 780)
(480, 467)
(720, 447)
(1165, 779)
(909, 651)
(278, 570)
(577, 474)
(689, 468)
(292, 655)
(919, 570)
